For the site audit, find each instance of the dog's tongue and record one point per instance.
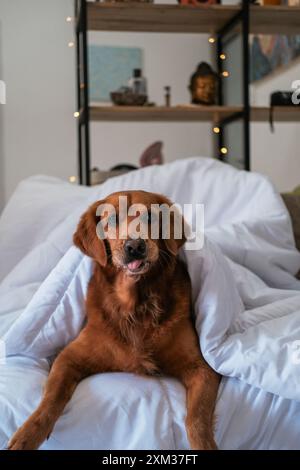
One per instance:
(133, 265)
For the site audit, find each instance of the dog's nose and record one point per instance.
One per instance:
(135, 249)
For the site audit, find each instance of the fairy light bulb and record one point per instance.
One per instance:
(72, 179)
(71, 44)
(224, 150)
(222, 56)
(211, 40)
(225, 73)
(69, 19)
(76, 114)
(216, 130)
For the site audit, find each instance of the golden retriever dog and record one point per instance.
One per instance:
(139, 320)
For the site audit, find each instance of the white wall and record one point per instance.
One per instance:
(38, 133)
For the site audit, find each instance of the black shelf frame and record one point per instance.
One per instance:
(82, 74)
(242, 18)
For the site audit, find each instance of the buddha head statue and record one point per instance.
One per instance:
(204, 85)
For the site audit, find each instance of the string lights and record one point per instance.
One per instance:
(76, 114)
(217, 130)
(69, 19)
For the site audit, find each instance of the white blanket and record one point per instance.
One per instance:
(247, 313)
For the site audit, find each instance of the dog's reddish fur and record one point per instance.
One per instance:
(140, 324)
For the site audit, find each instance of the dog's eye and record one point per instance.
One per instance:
(147, 217)
(112, 220)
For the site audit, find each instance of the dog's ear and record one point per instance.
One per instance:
(86, 239)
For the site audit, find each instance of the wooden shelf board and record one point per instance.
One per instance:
(188, 114)
(280, 114)
(141, 17)
(162, 113)
(159, 18)
(274, 19)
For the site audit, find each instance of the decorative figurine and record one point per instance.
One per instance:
(135, 94)
(138, 83)
(152, 155)
(167, 96)
(204, 85)
(124, 96)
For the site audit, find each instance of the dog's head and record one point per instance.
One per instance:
(131, 230)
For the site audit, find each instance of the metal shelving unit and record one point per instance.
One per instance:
(220, 20)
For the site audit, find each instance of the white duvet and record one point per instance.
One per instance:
(247, 313)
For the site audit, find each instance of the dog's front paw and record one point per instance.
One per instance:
(29, 436)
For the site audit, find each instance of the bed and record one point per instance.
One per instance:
(246, 300)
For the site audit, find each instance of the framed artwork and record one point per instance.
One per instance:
(110, 67)
(268, 53)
